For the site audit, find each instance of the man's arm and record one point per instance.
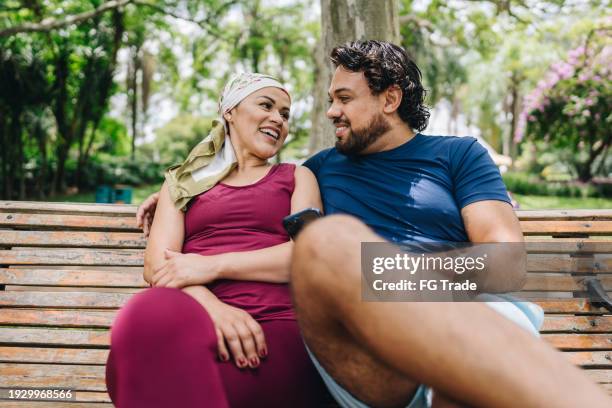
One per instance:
(493, 221)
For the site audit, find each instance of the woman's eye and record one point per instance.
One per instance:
(286, 116)
(266, 105)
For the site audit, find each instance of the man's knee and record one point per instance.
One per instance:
(327, 239)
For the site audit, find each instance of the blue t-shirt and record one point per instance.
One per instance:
(413, 193)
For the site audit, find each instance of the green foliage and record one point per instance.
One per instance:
(530, 184)
(570, 108)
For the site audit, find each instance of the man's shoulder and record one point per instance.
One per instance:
(315, 161)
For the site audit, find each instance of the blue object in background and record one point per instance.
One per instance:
(117, 194)
(123, 194)
(105, 194)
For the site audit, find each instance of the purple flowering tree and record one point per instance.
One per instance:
(571, 107)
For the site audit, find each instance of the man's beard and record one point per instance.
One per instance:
(359, 139)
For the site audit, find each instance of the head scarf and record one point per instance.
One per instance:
(213, 158)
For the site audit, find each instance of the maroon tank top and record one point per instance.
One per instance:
(236, 219)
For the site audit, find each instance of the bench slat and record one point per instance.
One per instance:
(49, 404)
(81, 239)
(75, 377)
(579, 341)
(584, 324)
(58, 337)
(600, 376)
(590, 358)
(53, 355)
(535, 244)
(124, 210)
(566, 227)
(67, 221)
(543, 283)
(567, 306)
(77, 300)
(73, 256)
(599, 263)
(81, 277)
(57, 318)
(563, 215)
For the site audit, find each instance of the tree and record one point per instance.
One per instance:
(342, 21)
(570, 108)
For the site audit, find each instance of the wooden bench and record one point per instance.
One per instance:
(65, 269)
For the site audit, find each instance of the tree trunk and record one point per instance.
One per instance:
(342, 21)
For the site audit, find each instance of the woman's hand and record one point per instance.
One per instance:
(182, 270)
(238, 334)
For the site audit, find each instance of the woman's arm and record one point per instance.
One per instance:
(167, 232)
(272, 264)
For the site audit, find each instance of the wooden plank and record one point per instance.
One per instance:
(73, 256)
(545, 283)
(76, 300)
(574, 324)
(579, 341)
(75, 377)
(53, 355)
(601, 376)
(56, 337)
(599, 263)
(48, 404)
(132, 277)
(558, 215)
(601, 359)
(566, 227)
(535, 244)
(124, 210)
(57, 318)
(81, 239)
(67, 221)
(30, 288)
(566, 306)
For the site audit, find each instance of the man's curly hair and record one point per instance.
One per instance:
(385, 64)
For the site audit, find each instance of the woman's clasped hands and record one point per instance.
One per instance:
(182, 270)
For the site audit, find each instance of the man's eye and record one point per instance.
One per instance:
(344, 99)
(329, 101)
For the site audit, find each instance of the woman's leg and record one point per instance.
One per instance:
(163, 353)
(285, 378)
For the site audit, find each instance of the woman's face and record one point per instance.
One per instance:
(259, 124)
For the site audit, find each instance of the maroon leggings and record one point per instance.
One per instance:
(164, 354)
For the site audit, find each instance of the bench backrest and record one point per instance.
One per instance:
(65, 269)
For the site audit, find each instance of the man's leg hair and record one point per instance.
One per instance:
(464, 350)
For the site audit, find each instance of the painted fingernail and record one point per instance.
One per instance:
(254, 362)
(241, 362)
(223, 357)
(263, 352)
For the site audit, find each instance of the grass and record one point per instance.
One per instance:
(533, 202)
(138, 195)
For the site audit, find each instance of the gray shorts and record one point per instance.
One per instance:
(525, 314)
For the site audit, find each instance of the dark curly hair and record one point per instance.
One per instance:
(385, 64)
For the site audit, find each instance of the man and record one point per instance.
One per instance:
(384, 182)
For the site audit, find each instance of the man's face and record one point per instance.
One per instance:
(356, 113)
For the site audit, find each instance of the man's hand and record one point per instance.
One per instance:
(236, 330)
(146, 212)
(182, 270)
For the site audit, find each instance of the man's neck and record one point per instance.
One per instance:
(399, 134)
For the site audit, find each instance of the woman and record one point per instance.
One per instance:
(234, 342)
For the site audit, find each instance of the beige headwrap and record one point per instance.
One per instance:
(214, 158)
